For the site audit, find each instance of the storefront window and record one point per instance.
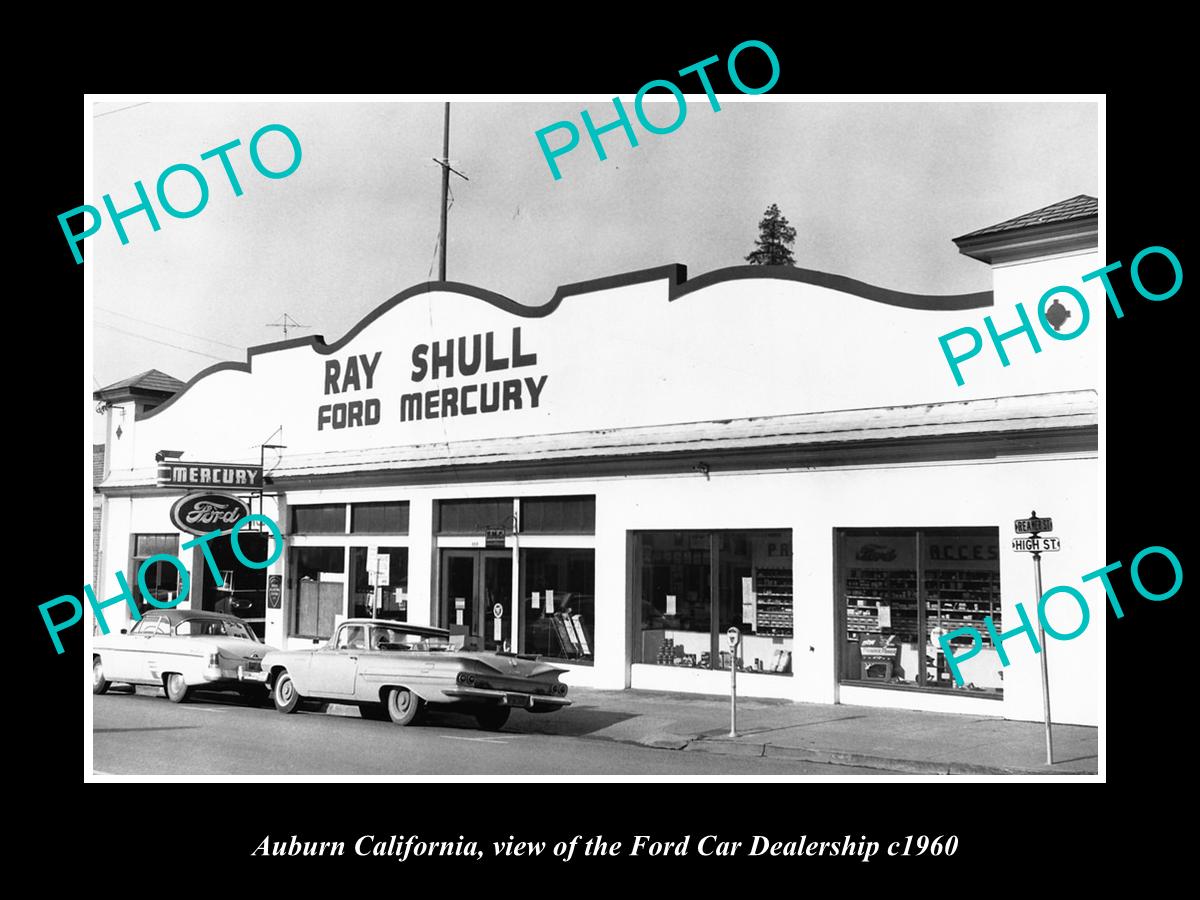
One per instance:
(558, 604)
(317, 577)
(695, 585)
(380, 582)
(901, 589)
(161, 577)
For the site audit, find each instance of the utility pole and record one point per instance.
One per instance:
(445, 192)
(444, 162)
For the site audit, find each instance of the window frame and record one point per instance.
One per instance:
(920, 535)
(136, 561)
(717, 639)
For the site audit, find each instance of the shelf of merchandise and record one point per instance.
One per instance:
(958, 598)
(867, 588)
(773, 589)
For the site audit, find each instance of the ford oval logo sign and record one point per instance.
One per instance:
(202, 513)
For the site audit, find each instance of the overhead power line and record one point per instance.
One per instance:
(169, 328)
(120, 109)
(156, 341)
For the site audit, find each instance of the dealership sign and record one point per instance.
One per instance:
(213, 475)
(200, 513)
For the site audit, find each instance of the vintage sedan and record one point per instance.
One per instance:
(397, 671)
(181, 649)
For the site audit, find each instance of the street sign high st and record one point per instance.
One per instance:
(1037, 544)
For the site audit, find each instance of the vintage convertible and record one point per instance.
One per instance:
(393, 670)
(180, 649)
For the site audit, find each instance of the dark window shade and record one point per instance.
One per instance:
(326, 518)
(558, 515)
(473, 516)
(379, 518)
(145, 545)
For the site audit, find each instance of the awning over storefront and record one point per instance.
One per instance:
(1068, 412)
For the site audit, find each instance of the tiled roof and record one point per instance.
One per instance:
(150, 380)
(1080, 207)
(97, 463)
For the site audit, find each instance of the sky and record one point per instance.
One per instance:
(875, 191)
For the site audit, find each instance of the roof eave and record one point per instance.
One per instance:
(123, 394)
(1031, 242)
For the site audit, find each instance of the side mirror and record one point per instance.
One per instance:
(124, 631)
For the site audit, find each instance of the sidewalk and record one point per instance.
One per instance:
(920, 743)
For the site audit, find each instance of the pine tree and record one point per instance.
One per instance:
(775, 239)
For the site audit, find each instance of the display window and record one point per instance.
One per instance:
(558, 606)
(380, 582)
(900, 590)
(162, 578)
(317, 579)
(695, 585)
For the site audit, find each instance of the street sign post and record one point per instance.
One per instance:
(735, 638)
(1037, 545)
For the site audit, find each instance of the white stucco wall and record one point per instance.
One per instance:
(624, 357)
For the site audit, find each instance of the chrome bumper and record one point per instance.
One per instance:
(514, 699)
(245, 674)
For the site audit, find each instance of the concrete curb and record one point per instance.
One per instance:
(657, 741)
(863, 760)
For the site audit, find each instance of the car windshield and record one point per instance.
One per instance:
(388, 638)
(213, 627)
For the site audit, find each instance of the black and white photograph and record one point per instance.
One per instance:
(697, 432)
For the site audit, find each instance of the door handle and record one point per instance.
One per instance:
(351, 657)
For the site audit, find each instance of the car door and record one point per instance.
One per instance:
(163, 653)
(146, 647)
(333, 668)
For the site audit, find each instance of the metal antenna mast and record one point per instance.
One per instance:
(444, 162)
(285, 323)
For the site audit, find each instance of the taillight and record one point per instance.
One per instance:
(214, 660)
(465, 678)
(560, 689)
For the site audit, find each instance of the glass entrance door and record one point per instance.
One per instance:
(497, 594)
(474, 584)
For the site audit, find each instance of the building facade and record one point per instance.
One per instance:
(615, 478)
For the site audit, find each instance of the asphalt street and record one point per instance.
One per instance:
(221, 735)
